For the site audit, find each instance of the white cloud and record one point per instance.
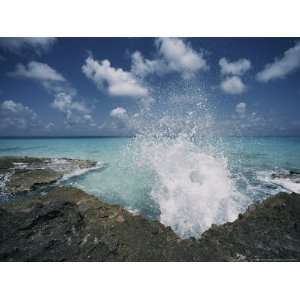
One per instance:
(142, 67)
(49, 126)
(117, 81)
(75, 112)
(119, 113)
(121, 123)
(64, 102)
(17, 115)
(280, 68)
(14, 107)
(233, 85)
(17, 45)
(241, 109)
(37, 71)
(180, 57)
(173, 55)
(238, 67)
(232, 82)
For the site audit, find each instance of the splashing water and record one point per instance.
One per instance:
(192, 188)
(175, 169)
(191, 182)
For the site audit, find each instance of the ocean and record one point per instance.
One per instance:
(181, 182)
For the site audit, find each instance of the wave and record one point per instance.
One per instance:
(282, 180)
(82, 171)
(190, 178)
(192, 185)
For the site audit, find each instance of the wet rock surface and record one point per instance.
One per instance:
(70, 225)
(66, 224)
(292, 174)
(23, 174)
(27, 180)
(267, 231)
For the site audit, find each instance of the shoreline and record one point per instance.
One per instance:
(67, 224)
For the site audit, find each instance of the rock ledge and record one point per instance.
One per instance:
(70, 225)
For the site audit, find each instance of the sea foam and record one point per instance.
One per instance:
(193, 188)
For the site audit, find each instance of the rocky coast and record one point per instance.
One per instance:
(46, 221)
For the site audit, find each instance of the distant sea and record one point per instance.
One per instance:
(180, 183)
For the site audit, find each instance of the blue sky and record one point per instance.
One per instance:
(100, 86)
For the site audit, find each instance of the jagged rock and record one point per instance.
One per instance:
(70, 225)
(67, 224)
(267, 231)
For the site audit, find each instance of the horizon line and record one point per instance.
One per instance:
(123, 136)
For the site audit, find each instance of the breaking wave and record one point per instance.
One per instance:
(82, 171)
(191, 181)
(193, 189)
(281, 181)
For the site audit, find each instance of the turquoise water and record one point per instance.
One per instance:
(118, 183)
(141, 187)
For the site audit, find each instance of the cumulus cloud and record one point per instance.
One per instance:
(143, 67)
(49, 126)
(20, 44)
(281, 67)
(238, 67)
(75, 112)
(119, 113)
(231, 73)
(121, 123)
(241, 109)
(233, 85)
(52, 80)
(37, 71)
(16, 115)
(117, 81)
(180, 57)
(173, 55)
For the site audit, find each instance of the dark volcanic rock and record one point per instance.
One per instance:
(267, 231)
(70, 225)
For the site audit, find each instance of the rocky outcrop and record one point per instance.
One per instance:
(25, 174)
(27, 180)
(265, 232)
(70, 225)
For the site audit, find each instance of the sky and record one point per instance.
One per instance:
(106, 86)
